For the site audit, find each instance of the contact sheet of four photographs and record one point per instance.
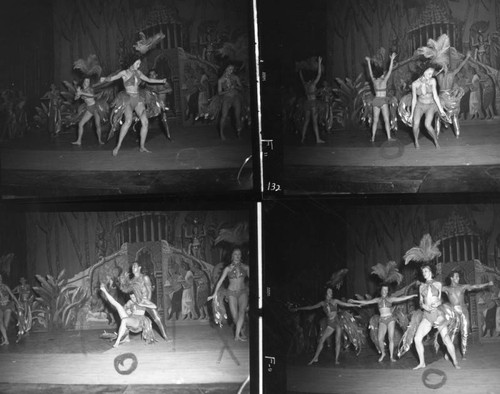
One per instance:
(250, 196)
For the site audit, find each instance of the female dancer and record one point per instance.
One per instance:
(330, 307)
(229, 88)
(433, 316)
(133, 100)
(133, 318)
(311, 105)
(381, 102)
(387, 321)
(237, 291)
(86, 92)
(425, 101)
(6, 307)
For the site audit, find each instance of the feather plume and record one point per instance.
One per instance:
(337, 278)
(89, 66)
(436, 50)
(387, 272)
(147, 43)
(426, 252)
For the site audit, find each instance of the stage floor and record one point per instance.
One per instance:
(479, 373)
(196, 160)
(200, 358)
(350, 163)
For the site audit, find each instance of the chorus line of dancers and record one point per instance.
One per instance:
(434, 97)
(449, 317)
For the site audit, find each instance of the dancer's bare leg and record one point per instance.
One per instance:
(97, 120)
(226, 106)
(86, 117)
(449, 346)
(326, 334)
(338, 341)
(233, 307)
(376, 116)
(3, 329)
(382, 330)
(390, 329)
(123, 129)
(144, 127)
(422, 330)
(307, 116)
(417, 116)
(242, 308)
(429, 117)
(387, 122)
(314, 115)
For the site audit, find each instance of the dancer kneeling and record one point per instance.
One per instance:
(133, 318)
(330, 307)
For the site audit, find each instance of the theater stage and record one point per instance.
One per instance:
(350, 163)
(479, 373)
(196, 160)
(200, 359)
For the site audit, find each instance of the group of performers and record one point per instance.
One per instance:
(139, 313)
(434, 95)
(448, 318)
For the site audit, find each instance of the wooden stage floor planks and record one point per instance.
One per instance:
(199, 354)
(479, 374)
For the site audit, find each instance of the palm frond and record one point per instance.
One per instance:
(425, 252)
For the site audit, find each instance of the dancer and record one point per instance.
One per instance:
(7, 301)
(229, 88)
(188, 307)
(387, 322)
(433, 316)
(87, 94)
(381, 102)
(330, 307)
(311, 105)
(133, 100)
(237, 291)
(425, 102)
(202, 290)
(142, 288)
(132, 318)
(456, 293)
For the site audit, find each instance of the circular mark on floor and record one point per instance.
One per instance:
(494, 172)
(434, 378)
(187, 157)
(392, 149)
(122, 364)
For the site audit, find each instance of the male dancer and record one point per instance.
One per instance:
(455, 293)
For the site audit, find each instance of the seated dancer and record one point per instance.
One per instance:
(381, 102)
(133, 100)
(311, 105)
(387, 322)
(425, 101)
(132, 318)
(433, 316)
(330, 307)
(142, 288)
(237, 292)
(456, 293)
(229, 89)
(7, 300)
(87, 94)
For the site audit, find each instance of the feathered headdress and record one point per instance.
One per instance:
(147, 43)
(89, 66)
(337, 278)
(388, 273)
(426, 252)
(437, 50)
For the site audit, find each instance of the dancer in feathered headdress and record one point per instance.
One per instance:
(439, 53)
(385, 323)
(92, 108)
(132, 100)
